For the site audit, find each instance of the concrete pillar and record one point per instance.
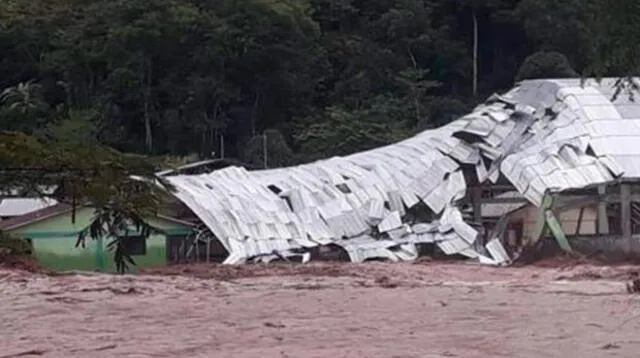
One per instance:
(625, 214)
(602, 220)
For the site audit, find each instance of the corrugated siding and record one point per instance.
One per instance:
(542, 136)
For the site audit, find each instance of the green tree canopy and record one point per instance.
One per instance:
(98, 78)
(546, 65)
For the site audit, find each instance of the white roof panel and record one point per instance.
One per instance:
(10, 207)
(564, 136)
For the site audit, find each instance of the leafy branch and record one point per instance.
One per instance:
(122, 188)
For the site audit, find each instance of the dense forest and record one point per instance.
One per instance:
(97, 95)
(315, 77)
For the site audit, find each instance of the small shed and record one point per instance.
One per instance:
(53, 236)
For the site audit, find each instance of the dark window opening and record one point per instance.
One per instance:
(343, 188)
(29, 250)
(135, 245)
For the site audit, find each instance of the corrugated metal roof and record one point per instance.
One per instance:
(10, 207)
(561, 135)
(495, 210)
(34, 216)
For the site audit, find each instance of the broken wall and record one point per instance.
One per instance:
(569, 219)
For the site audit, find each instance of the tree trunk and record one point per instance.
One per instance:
(254, 112)
(222, 145)
(416, 100)
(203, 138)
(146, 80)
(475, 52)
(264, 149)
(216, 129)
(147, 125)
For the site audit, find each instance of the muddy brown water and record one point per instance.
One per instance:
(323, 310)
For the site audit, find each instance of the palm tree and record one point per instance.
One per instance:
(25, 98)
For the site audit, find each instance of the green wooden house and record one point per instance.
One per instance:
(53, 236)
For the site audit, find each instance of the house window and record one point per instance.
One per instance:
(30, 244)
(135, 245)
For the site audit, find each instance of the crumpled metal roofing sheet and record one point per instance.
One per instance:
(542, 136)
(10, 207)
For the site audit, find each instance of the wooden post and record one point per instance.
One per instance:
(602, 220)
(625, 214)
(579, 225)
(475, 52)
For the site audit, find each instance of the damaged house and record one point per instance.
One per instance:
(523, 216)
(552, 158)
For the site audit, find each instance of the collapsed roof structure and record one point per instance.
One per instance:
(541, 137)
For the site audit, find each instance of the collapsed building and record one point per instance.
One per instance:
(546, 147)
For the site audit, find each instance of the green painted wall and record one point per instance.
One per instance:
(60, 253)
(54, 242)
